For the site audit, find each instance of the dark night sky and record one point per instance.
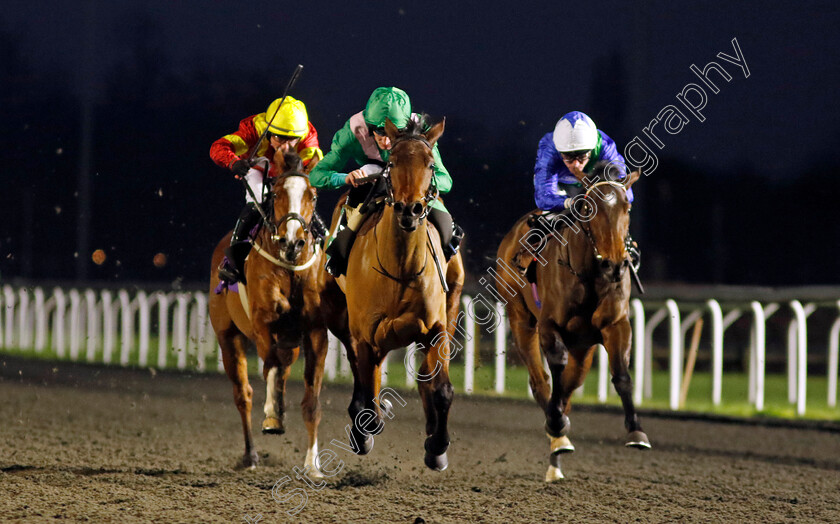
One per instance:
(492, 63)
(487, 66)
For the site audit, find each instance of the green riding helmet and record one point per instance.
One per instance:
(388, 102)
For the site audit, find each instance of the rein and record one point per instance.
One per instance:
(384, 272)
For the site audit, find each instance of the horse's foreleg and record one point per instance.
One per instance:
(557, 356)
(315, 352)
(556, 421)
(276, 368)
(236, 366)
(437, 394)
(525, 339)
(362, 364)
(617, 343)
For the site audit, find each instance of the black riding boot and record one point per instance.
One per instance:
(240, 245)
(339, 251)
(635, 253)
(451, 234)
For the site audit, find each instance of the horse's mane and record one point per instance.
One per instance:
(605, 170)
(416, 126)
(293, 162)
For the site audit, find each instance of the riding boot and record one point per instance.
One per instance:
(451, 234)
(338, 250)
(635, 253)
(233, 266)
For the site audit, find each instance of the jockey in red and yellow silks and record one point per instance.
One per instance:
(289, 129)
(237, 145)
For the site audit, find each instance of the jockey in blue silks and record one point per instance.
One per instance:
(565, 157)
(573, 148)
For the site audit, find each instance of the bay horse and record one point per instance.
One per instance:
(283, 310)
(583, 282)
(393, 295)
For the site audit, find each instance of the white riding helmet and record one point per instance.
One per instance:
(575, 132)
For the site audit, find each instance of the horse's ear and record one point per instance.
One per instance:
(390, 129)
(632, 178)
(434, 133)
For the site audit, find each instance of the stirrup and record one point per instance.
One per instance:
(228, 274)
(451, 249)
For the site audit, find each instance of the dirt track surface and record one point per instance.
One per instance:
(99, 444)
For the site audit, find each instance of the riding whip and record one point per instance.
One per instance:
(292, 81)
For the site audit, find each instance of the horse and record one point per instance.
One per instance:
(583, 282)
(282, 313)
(397, 253)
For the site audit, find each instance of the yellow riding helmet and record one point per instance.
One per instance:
(290, 120)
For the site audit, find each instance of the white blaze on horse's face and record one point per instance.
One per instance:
(294, 186)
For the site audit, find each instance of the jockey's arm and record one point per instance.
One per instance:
(309, 149)
(326, 174)
(442, 177)
(547, 195)
(230, 148)
(609, 153)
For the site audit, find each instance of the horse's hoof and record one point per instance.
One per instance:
(436, 462)
(250, 460)
(638, 440)
(553, 474)
(314, 474)
(561, 444)
(273, 426)
(364, 442)
(387, 408)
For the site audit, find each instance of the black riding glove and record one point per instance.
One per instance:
(240, 168)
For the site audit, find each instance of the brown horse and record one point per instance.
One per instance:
(583, 280)
(282, 313)
(393, 296)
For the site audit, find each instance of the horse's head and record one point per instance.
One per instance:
(606, 213)
(412, 169)
(294, 204)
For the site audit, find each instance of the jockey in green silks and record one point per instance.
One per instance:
(363, 140)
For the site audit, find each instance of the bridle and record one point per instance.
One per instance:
(588, 232)
(432, 194)
(274, 228)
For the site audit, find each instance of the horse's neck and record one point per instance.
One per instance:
(408, 249)
(578, 250)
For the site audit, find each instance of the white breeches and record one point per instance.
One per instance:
(255, 178)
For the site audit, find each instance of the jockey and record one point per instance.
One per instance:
(289, 129)
(565, 157)
(363, 140)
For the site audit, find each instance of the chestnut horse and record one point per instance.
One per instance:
(283, 310)
(392, 295)
(583, 281)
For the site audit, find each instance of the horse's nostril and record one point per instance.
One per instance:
(416, 209)
(625, 263)
(299, 244)
(605, 264)
(282, 241)
(398, 207)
